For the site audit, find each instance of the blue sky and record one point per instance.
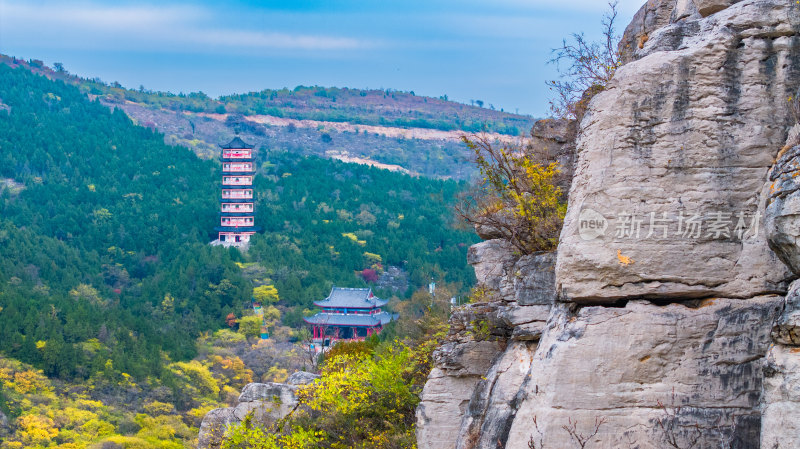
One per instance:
(495, 50)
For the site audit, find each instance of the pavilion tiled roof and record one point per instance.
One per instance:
(341, 319)
(351, 298)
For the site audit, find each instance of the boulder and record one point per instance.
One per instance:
(5, 427)
(301, 378)
(265, 402)
(214, 426)
(673, 155)
(696, 369)
(269, 401)
(708, 7)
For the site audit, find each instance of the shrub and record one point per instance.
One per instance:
(227, 337)
(266, 294)
(365, 398)
(517, 196)
(369, 275)
(250, 326)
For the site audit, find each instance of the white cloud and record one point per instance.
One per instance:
(97, 16)
(256, 39)
(628, 7)
(149, 27)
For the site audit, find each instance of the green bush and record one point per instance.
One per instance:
(250, 326)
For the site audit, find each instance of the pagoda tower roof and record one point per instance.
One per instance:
(351, 298)
(236, 144)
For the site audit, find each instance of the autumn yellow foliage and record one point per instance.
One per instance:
(518, 196)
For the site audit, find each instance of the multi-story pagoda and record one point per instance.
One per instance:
(349, 314)
(237, 205)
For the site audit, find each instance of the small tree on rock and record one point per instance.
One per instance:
(517, 197)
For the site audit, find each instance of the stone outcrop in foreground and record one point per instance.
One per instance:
(506, 366)
(666, 321)
(471, 394)
(267, 402)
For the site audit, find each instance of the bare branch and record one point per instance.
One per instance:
(585, 68)
(579, 438)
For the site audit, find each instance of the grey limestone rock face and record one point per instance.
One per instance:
(267, 402)
(786, 328)
(495, 399)
(531, 281)
(445, 400)
(780, 425)
(782, 216)
(661, 335)
(708, 7)
(619, 364)
(301, 378)
(527, 280)
(472, 394)
(491, 259)
(656, 14)
(689, 129)
(470, 358)
(650, 17)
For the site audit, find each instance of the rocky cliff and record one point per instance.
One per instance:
(668, 317)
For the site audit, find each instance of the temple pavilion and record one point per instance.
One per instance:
(349, 314)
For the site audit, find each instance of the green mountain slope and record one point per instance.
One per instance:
(363, 107)
(107, 240)
(416, 133)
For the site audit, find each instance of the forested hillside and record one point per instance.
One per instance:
(363, 107)
(326, 220)
(417, 134)
(105, 267)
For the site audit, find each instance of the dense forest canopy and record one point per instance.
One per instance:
(104, 233)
